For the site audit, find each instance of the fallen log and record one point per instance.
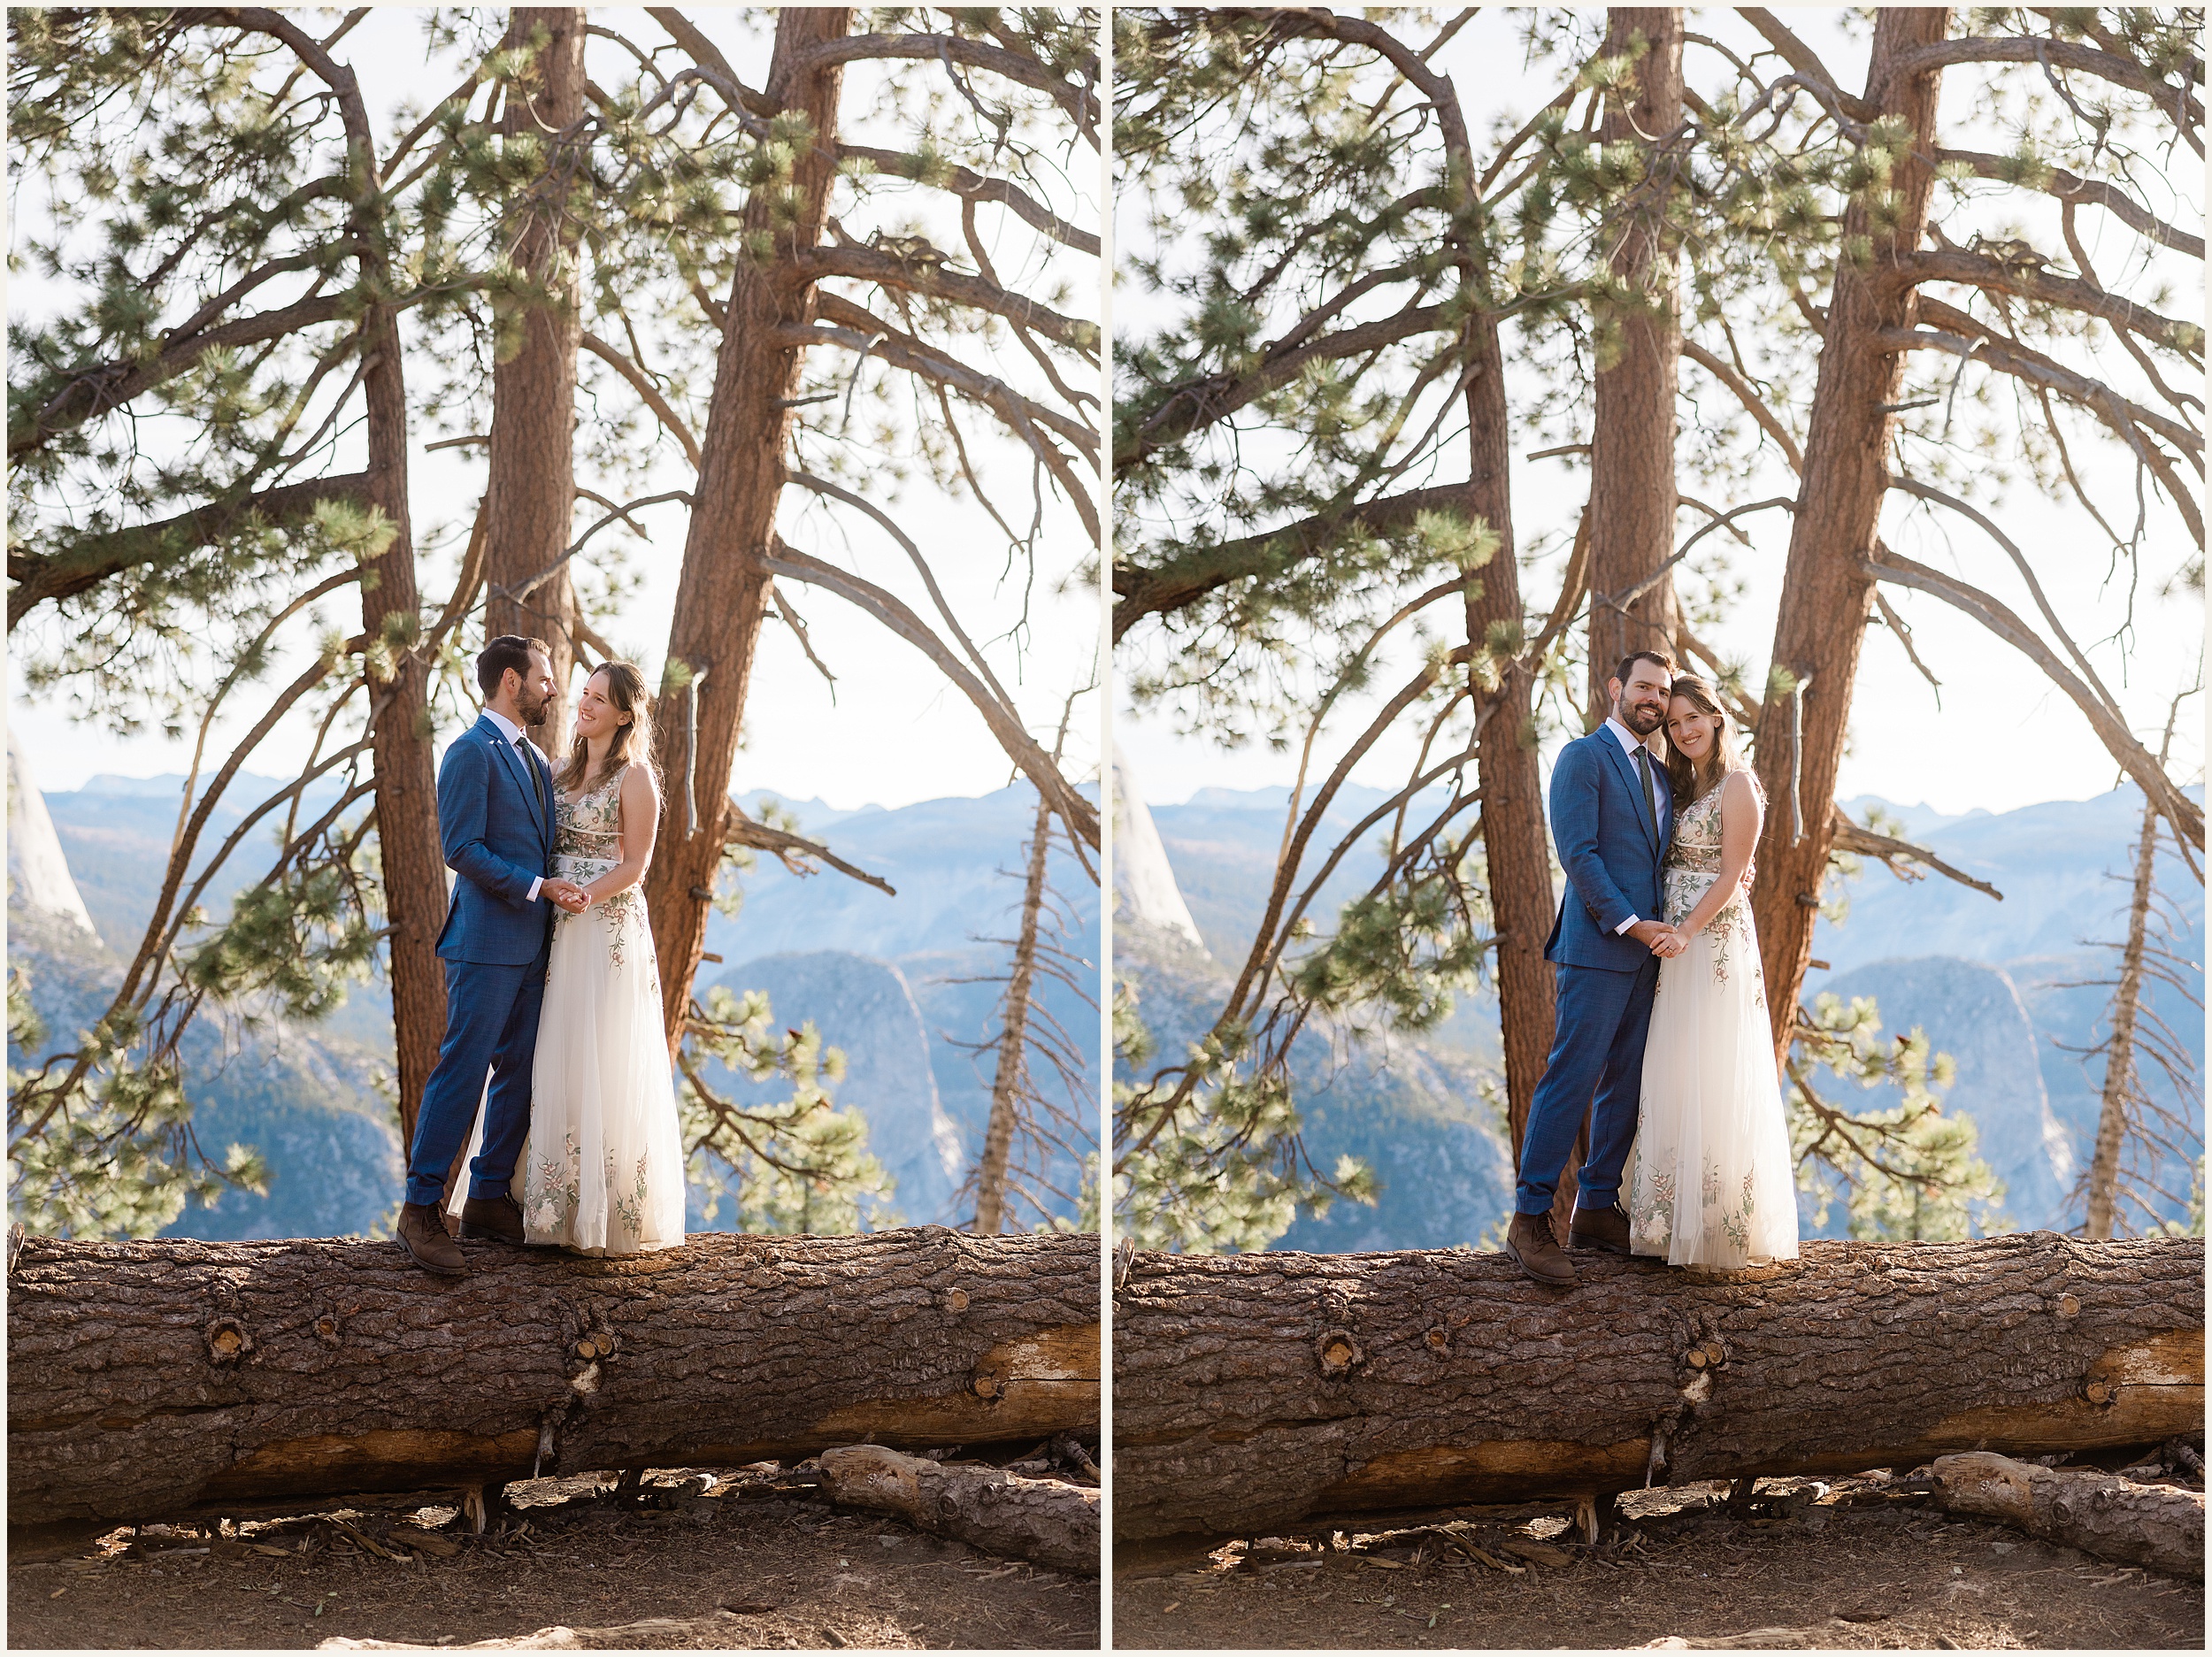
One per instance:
(160, 1379)
(2158, 1525)
(1256, 1391)
(1040, 1519)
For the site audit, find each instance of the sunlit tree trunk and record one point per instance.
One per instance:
(533, 472)
(1631, 443)
(1826, 594)
(723, 591)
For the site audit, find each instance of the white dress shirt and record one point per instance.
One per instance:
(512, 731)
(1662, 801)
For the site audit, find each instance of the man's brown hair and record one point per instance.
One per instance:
(508, 650)
(1659, 659)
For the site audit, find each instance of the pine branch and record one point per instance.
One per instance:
(1080, 102)
(1196, 404)
(663, 410)
(708, 55)
(2105, 65)
(2071, 187)
(934, 281)
(1852, 836)
(1807, 63)
(2119, 741)
(1073, 809)
(975, 188)
(791, 850)
(1189, 576)
(88, 560)
(2028, 281)
(1754, 404)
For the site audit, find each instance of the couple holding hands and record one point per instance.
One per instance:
(552, 986)
(1662, 1034)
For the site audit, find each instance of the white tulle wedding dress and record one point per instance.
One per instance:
(1712, 1186)
(602, 1170)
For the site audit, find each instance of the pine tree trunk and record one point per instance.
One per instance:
(1516, 848)
(723, 592)
(1827, 596)
(1252, 1391)
(998, 1135)
(2119, 1062)
(413, 860)
(154, 1377)
(531, 484)
(1631, 443)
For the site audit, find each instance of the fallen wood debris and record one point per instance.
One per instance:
(2158, 1525)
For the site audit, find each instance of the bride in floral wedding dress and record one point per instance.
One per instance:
(1713, 1185)
(602, 1170)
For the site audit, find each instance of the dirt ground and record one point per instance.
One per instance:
(726, 1567)
(1806, 1566)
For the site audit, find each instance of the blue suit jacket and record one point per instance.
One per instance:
(1611, 852)
(497, 840)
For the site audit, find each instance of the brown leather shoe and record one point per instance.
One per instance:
(1531, 1242)
(1600, 1227)
(492, 1220)
(422, 1234)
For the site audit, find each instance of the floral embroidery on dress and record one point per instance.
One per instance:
(588, 844)
(1653, 1218)
(551, 1189)
(632, 1208)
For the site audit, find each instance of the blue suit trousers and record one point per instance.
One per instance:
(491, 1025)
(1597, 1066)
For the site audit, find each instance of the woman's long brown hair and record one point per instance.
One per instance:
(1690, 781)
(633, 743)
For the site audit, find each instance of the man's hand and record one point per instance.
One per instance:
(567, 893)
(1663, 940)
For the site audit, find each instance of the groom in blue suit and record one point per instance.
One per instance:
(1610, 821)
(496, 824)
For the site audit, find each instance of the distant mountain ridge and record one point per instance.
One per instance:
(1989, 982)
(895, 982)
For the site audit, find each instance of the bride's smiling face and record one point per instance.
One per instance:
(597, 715)
(1691, 732)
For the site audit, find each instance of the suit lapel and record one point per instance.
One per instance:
(1627, 769)
(511, 755)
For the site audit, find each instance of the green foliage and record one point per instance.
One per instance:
(800, 1164)
(1908, 1170)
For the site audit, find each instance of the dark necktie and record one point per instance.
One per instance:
(537, 786)
(1643, 769)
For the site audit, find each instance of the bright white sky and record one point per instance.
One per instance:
(2005, 737)
(898, 733)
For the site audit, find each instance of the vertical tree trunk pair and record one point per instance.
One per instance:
(1826, 595)
(723, 590)
(1632, 529)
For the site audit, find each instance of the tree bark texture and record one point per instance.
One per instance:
(1253, 1391)
(1042, 1519)
(413, 862)
(1517, 850)
(2158, 1525)
(1826, 594)
(160, 1377)
(531, 482)
(1632, 442)
(723, 591)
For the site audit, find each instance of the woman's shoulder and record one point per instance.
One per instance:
(1743, 783)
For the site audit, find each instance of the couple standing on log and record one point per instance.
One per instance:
(552, 986)
(1661, 1036)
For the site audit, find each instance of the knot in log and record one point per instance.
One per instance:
(1338, 1353)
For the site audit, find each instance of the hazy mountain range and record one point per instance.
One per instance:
(2001, 987)
(897, 983)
